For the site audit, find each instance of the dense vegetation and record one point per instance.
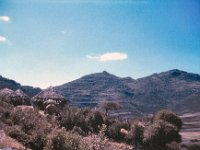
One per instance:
(87, 129)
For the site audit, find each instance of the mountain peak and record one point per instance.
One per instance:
(182, 75)
(105, 72)
(176, 71)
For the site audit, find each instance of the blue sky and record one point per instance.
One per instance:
(51, 42)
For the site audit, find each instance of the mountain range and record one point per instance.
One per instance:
(175, 89)
(13, 85)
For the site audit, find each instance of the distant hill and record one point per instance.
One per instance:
(174, 89)
(13, 85)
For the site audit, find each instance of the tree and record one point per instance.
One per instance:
(109, 106)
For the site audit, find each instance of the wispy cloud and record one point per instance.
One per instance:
(5, 18)
(3, 39)
(111, 56)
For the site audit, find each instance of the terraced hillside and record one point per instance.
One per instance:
(174, 89)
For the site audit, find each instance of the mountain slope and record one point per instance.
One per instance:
(13, 85)
(91, 90)
(169, 89)
(173, 89)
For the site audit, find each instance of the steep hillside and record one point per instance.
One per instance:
(13, 85)
(173, 89)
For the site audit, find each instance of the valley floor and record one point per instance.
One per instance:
(191, 127)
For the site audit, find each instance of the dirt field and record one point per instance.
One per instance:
(191, 127)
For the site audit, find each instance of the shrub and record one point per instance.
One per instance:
(29, 120)
(87, 120)
(160, 133)
(5, 109)
(168, 116)
(15, 132)
(34, 141)
(33, 128)
(38, 140)
(62, 140)
(68, 118)
(113, 130)
(135, 136)
(94, 120)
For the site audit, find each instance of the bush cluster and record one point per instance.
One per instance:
(164, 130)
(28, 127)
(15, 99)
(65, 129)
(135, 135)
(160, 134)
(114, 129)
(59, 139)
(168, 116)
(85, 121)
(89, 121)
